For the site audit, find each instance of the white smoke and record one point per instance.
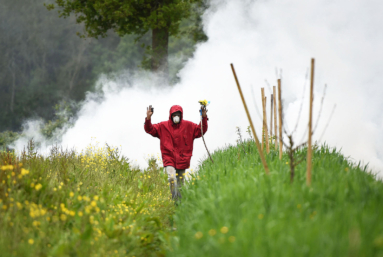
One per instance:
(258, 37)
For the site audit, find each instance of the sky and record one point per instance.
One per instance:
(265, 40)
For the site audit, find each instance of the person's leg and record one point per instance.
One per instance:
(172, 179)
(180, 180)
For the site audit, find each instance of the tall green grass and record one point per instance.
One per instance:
(91, 203)
(231, 208)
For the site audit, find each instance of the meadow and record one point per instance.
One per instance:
(94, 203)
(91, 203)
(234, 209)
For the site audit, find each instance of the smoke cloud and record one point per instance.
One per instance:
(264, 40)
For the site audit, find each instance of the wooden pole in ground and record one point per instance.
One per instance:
(309, 142)
(265, 129)
(263, 118)
(265, 122)
(264, 163)
(280, 117)
(271, 115)
(275, 119)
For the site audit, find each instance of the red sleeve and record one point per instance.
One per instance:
(151, 129)
(197, 128)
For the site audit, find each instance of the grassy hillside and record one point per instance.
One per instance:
(81, 204)
(233, 209)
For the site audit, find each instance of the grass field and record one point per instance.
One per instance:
(94, 203)
(234, 209)
(82, 204)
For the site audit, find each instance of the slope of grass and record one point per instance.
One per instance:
(81, 204)
(233, 209)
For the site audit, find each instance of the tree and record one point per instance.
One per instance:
(161, 17)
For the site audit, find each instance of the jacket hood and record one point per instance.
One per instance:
(176, 108)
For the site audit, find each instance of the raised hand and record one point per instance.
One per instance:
(149, 112)
(204, 111)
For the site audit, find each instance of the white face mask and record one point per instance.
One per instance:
(176, 119)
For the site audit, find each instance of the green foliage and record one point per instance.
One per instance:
(91, 203)
(232, 208)
(6, 138)
(126, 17)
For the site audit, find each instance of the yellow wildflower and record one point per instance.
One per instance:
(224, 230)
(24, 171)
(30, 241)
(38, 187)
(71, 194)
(212, 232)
(198, 235)
(63, 217)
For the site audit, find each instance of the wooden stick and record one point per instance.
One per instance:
(275, 119)
(265, 123)
(309, 148)
(271, 115)
(280, 117)
(251, 123)
(263, 118)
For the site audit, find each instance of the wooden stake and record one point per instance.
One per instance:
(309, 142)
(275, 119)
(271, 115)
(251, 123)
(280, 117)
(265, 121)
(263, 118)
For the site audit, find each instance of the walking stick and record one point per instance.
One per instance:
(204, 103)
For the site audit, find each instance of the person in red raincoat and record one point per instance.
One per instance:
(176, 143)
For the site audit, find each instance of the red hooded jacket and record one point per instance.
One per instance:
(176, 140)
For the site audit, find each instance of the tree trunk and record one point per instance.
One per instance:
(160, 40)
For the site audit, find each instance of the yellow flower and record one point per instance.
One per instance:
(63, 217)
(198, 235)
(224, 230)
(232, 239)
(72, 213)
(38, 187)
(95, 197)
(260, 216)
(93, 203)
(30, 241)
(36, 223)
(71, 194)
(212, 232)
(24, 171)
(79, 198)
(80, 214)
